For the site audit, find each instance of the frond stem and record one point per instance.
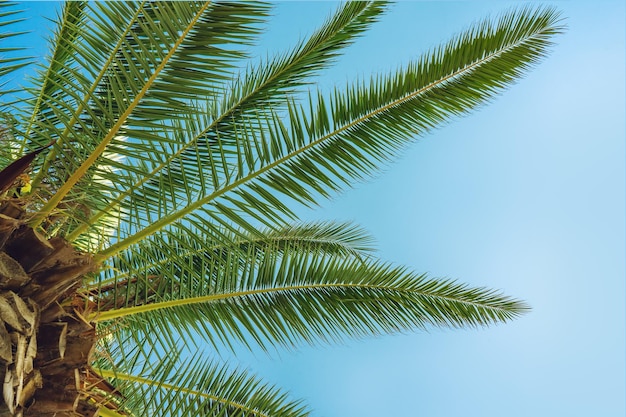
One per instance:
(206, 249)
(128, 311)
(106, 373)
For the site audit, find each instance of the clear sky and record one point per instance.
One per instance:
(526, 195)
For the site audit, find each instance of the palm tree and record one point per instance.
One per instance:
(152, 217)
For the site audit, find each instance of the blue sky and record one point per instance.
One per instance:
(526, 195)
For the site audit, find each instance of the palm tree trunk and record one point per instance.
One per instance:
(45, 343)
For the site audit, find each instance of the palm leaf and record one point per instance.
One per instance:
(11, 58)
(165, 263)
(285, 298)
(195, 386)
(342, 138)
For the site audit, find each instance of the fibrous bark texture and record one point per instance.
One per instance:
(45, 342)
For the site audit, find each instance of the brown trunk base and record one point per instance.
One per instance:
(45, 343)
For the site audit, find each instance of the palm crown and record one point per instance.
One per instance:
(174, 169)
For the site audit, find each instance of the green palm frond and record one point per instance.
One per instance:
(164, 264)
(267, 84)
(289, 297)
(10, 58)
(195, 386)
(333, 141)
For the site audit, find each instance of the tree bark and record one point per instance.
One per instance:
(46, 346)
